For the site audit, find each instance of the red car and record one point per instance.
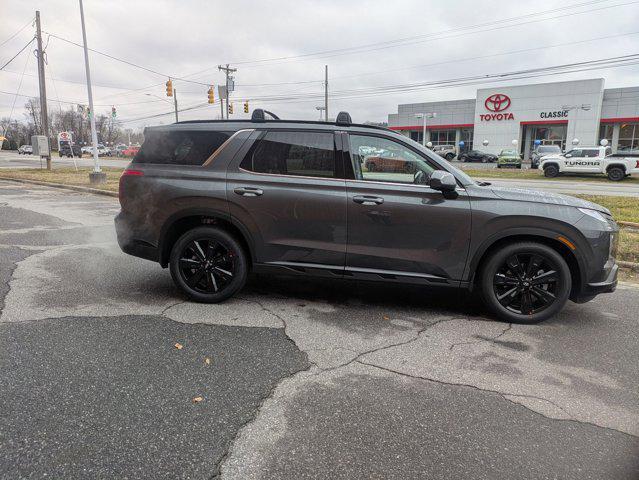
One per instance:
(130, 151)
(388, 162)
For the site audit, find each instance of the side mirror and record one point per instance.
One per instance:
(568, 155)
(442, 181)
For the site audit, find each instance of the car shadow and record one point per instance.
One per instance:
(344, 292)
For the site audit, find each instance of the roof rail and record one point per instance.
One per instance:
(258, 115)
(343, 118)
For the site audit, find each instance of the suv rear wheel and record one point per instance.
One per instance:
(525, 282)
(208, 264)
(616, 174)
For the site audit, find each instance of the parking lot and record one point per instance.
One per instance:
(292, 379)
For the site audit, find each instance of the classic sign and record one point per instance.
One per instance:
(555, 114)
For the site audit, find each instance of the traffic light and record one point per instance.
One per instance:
(113, 112)
(169, 88)
(211, 95)
(246, 108)
(230, 108)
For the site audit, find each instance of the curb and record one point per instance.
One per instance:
(76, 188)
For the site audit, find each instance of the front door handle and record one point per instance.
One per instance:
(249, 191)
(368, 200)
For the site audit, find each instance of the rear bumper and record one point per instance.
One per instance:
(130, 245)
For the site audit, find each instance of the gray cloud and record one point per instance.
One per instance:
(184, 37)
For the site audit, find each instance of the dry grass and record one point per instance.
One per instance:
(528, 174)
(66, 176)
(624, 209)
(628, 246)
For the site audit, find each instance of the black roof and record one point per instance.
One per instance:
(277, 122)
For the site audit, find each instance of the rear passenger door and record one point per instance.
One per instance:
(286, 189)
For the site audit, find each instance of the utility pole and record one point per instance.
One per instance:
(326, 92)
(175, 103)
(227, 71)
(96, 176)
(43, 88)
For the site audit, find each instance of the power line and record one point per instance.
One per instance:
(432, 36)
(18, 32)
(19, 52)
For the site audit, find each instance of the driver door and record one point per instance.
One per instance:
(397, 226)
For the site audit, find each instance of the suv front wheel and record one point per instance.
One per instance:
(208, 264)
(525, 282)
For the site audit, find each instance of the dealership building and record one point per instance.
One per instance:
(546, 113)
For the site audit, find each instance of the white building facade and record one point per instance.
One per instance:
(545, 113)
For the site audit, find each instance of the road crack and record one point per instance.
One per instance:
(504, 395)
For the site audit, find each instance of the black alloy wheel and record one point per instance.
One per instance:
(616, 174)
(526, 282)
(208, 264)
(551, 171)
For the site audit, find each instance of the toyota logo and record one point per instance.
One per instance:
(497, 102)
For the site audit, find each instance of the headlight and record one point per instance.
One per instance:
(594, 214)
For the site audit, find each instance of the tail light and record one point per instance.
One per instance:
(127, 173)
(637, 164)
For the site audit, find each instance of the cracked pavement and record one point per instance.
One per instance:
(307, 378)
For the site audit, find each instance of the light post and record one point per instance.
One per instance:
(322, 109)
(97, 175)
(424, 116)
(585, 107)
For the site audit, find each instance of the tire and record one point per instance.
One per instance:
(519, 268)
(498, 166)
(616, 174)
(208, 264)
(449, 157)
(551, 171)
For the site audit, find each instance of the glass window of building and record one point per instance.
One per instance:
(605, 131)
(628, 137)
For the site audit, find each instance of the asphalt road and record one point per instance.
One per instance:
(12, 159)
(305, 379)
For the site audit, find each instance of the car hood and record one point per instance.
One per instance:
(526, 195)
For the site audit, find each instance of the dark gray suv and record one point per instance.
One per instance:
(214, 200)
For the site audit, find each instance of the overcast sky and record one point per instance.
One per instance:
(180, 38)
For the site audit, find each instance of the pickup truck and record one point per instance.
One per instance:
(598, 160)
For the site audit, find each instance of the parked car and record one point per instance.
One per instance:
(119, 149)
(596, 160)
(86, 149)
(388, 161)
(508, 158)
(477, 156)
(130, 151)
(446, 151)
(65, 151)
(25, 150)
(541, 151)
(214, 200)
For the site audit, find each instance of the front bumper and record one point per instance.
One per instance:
(606, 286)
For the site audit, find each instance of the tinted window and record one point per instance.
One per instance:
(179, 147)
(591, 153)
(549, 149)
(309, 154)
(383, 160)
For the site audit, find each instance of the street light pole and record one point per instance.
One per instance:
(424, 116)
(97, 176)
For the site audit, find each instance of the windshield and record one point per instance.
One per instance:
(508, 152)
(549, 149)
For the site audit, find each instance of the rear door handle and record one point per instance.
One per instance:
(368, 200)
(249, 191)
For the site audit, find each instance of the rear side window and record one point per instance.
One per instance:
(179, 147)
(308, 154)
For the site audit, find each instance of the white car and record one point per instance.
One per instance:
(25, 150)
(591, 160)
(449, 152)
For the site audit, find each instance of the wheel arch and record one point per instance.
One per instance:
(181, 222)
(620, 165)
(573, 258)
